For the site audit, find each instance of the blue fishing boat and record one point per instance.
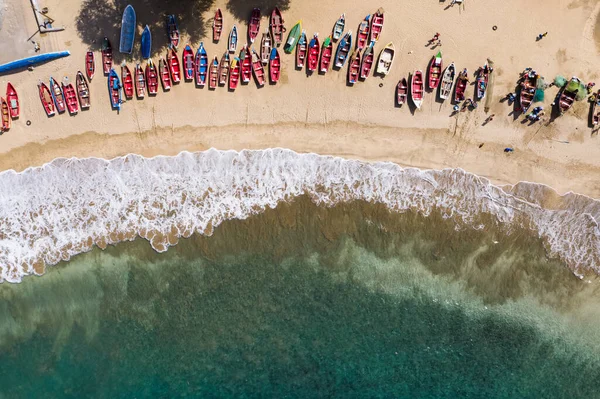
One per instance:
(343, 50)
(30, 61)
(146, 43)
(114, 89)
(201, 65)
(57, 95)
(127, 30)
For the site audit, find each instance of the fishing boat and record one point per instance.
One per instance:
(201, 65)
(265, 48)
(276, 26)
(5, 115)
(367, 61)
(343, 50)
(258, 69)
(301, 50)
(233, 39)
(140, 82)
(293, 36)
(386, 57)
(83, 91)
(224, 69)
(326, 54)
(106, 56)
(217, 25)
(596, 114)
(447, 81)
(127, 81)
(481, 82)
(213, 74)
(416, 88)
(146, 47)
(57, 96)
(435, 71)
(33, 60)
(527, 91)
(90, 65)
(568, 95)
(151, 78)
(246, 66)
(174, 66)
(338, 27)
(354, 67)
(363, 32)
(376, 26)
(234, 73)
(461, 86)
(312, 57)
(254, 24)
(70, 97)
(274, 65)
(165, 76)
(46, 98)
(12, 98)
(401, 92)
(187, 60)
(127, 30)
(114, 90)
(172, 30)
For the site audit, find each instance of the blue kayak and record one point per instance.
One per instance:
(127, 30)
(146, 43)
(30, 61)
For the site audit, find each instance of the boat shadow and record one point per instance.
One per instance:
(241, 9)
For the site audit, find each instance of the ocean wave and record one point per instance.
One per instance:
(67, 206)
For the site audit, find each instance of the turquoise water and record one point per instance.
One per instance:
(306, 302)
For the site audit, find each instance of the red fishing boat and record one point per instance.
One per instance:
(165, 76)
(224, 69)
(106, 56)
(234, 73)
(83, 91)
(376, 25)
(354, 67)
(46, 98)
(5, 115)
(187, 60)
(57, 95)
(174, 67)
(254, 25)
(435, 71)
(363, 33)
(258, 69)
(140, 82)
(151, 78)
(173, 30)
(213, 73)
(313, 53)
(90, 64)
(127, 81)
(417, 87)
(401, 91)
(301, 50)
(326, 55)
(461, 86)
(276, 25)
(274, 65)
(246, 67)
(12, 98)
(70, 97)
(217, 25)
(367, 62)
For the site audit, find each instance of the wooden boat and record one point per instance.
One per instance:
(293, 37)
(140, 82)
(254, 24)
(12, 98)
(461, 86)
(527, 91)
(233, 40)
(173, 30)
(447, 81)
(5, 115)
(596, 114)
(224, 69)
(187, 60)
(367, 61)
(70, 97)
(274, 65)
(301, 50)
(481, 82)
(106, 56)
(276, 25)
(217, 25)
(151, 78)
(90, 65)
(174, 66)
(376, 26)
(568, 94)
(46, 98)
(127, 81)
(354, 67)
(338, 27)
(416, 88)
(234, 73)
(57, 96)
(386, 57)
(363, 33)
(146, 47)
(258, 69)
(265, 48)
(213, 74)
(114, 89)
(83, 91)
(435, 71)
(201, 65)
(128, 27)
(401, 92)
(343, 50)
(246, 66)
(326, 55)
(313, 53)
(165, 76)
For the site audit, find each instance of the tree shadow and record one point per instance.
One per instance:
(100, 18)
(241, 9)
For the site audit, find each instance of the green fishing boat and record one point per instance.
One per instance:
(293, 37)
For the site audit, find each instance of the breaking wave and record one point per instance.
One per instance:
(63, 208)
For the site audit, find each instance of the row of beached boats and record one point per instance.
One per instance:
(9, 108)
(58, 98)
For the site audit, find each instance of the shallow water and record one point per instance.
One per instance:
(307, 301)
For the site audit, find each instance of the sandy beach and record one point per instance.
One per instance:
(320, 113)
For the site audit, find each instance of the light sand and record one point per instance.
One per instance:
(322, 114)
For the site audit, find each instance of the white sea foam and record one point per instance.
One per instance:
(51, 213)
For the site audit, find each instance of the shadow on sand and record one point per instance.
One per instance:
(241, 9)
